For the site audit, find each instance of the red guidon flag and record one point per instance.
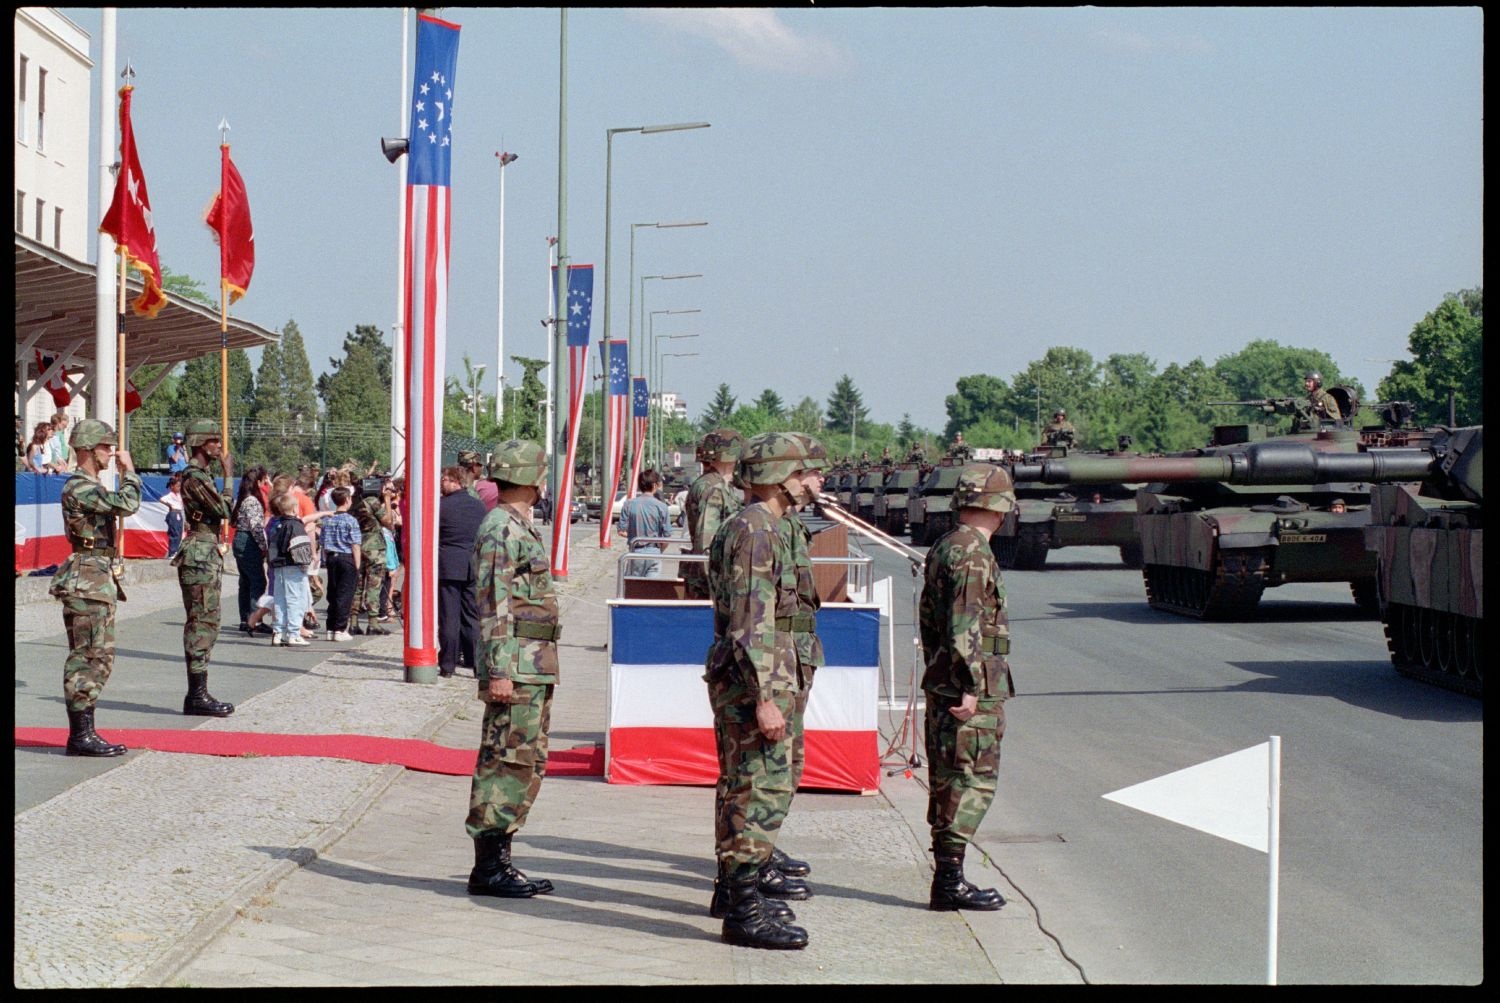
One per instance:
(128, 220)
(229, 218)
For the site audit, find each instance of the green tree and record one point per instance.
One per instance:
(152, 424)
(846, 407)
(365, 340)
(296, 377)
(1264, 368)
(807, 417)
(719, 409)
(750, 419)
(905, 432)
(532, 416)
(1174, 414)
(771, 403)
(1447, 356)
(1062, 378)
(1119, 403)
(977, 398)
(185, 286)
(198, 387)
(269, 406)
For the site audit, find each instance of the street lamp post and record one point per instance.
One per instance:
(609, 154)
(656, 423)
(652, 326)
(474, 401)
(671, 355)
(630, 313)
(505, 160)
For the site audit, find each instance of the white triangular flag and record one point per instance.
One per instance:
(1228, 797)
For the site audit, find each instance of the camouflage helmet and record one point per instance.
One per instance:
(1315, 376)
(201, 431)
(518, 462)
(722, 445)
(1060, 413)
(469, 458)
(772, 457)
(90, 432)
(984, 485)
(817, 456)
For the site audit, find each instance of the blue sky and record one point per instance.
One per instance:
(905, 196)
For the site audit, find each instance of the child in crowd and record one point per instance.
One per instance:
(291, 555)
(172, 499)
(340, 537)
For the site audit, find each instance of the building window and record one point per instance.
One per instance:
(41, 212)
(20, 211)
(41, 106)
(21, 104)
(57, 228)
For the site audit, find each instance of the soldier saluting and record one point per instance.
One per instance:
(200, 566)
(965, 638)
(517, 670)
(86, 583)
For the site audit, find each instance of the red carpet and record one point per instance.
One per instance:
(414, 754)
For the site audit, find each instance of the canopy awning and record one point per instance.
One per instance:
(55, 313)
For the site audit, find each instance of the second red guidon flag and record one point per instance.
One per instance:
(229, 218)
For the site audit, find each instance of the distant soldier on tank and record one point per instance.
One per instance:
(712, 500)
(200, 566)
(965, 640)
(961, 451)
(86, 582)
(754, 686)
(1059, 431)
(887, 461)
(916, 454)
(517, 670)
(1320, 401)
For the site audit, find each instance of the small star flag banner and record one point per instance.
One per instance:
(618, 369)
(580, 309)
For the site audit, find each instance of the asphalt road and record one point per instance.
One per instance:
(1381, 877)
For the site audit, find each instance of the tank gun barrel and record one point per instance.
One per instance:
(1268, 463)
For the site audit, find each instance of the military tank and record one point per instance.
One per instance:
(1428, 542)
(842, 486)
(865, 484)
(930, 510)
(1220, 525)
(1048, 517)
(889, 508)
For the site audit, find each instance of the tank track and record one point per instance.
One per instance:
(1232, 589)
(1132, 556)
(1435, 647)
(1026, 551)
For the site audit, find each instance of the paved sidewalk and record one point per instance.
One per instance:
(200, 871)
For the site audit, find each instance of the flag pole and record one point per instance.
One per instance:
(1273, 854)
(117, 566)
(224, 459)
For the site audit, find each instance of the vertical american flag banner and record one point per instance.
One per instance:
(640, 411)
(580, 308)
(617, 365)
(428, 216)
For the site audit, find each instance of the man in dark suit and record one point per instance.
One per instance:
(459, 516)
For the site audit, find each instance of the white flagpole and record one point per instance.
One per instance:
(1274, 855)
(398, 332)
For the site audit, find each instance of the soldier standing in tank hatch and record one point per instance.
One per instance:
(965, 638)
(517, 670)
(754, 685)
(86, 582)
(712, 500)
(1320, 401)
(200, 566)
(1059, 430)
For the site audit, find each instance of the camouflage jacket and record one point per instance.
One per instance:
(203, 507)
(89, 510)
(797, 574)
(517, 605)
(965, 634)
(711, 502)
(751, 591)
(370, 514)
(1324, 407)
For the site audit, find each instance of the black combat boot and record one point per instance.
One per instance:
(718, 906)
(790, 866)
(775, 884)
(493, 873)
(82, 740)
(747, 924)
(199, 702)
(950, 891)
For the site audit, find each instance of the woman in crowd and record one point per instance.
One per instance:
(249, 518)
(37, 460)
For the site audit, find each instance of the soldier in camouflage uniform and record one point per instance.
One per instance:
(754, 685)
(373, 516)
(1059, 431)
(517, 670)
(86, 581)
(200, 566)
(965, 639)
(711, 501)
(1320, 401)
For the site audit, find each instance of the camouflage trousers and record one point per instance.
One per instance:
(963, 766)
(795, 732)
(367, 590)
(512, 761)
(200, 600)
(756, 783)
(91, 651)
